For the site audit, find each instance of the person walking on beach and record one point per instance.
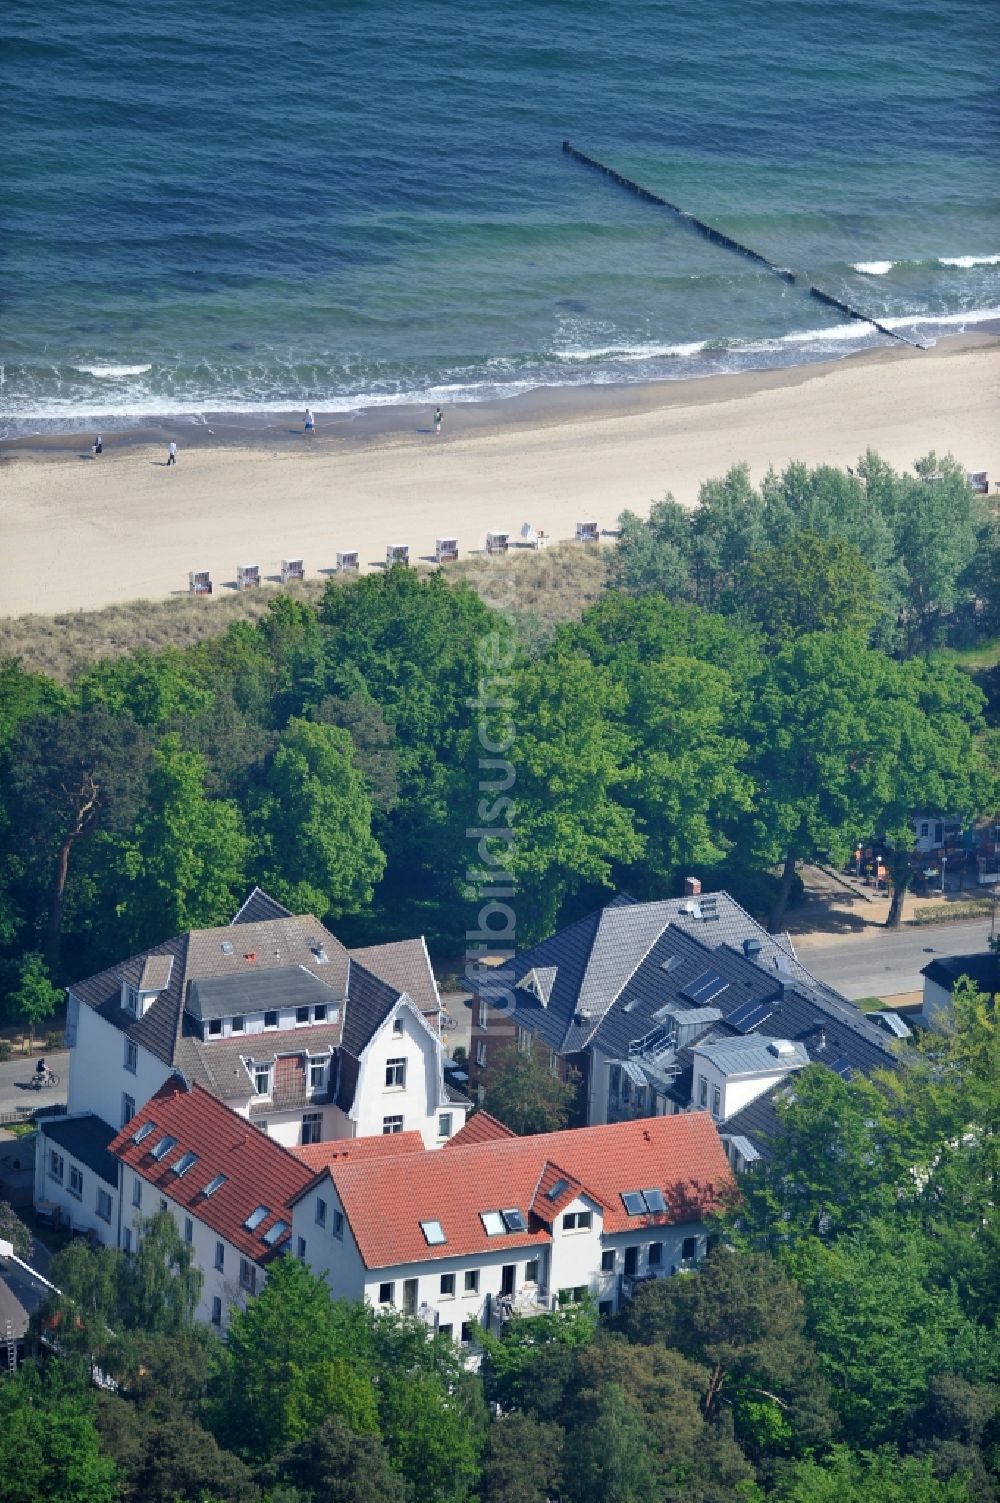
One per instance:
(438, 420)
(171, 453)
(310, 421)
(98, 445)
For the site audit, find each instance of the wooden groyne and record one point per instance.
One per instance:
(719, 237)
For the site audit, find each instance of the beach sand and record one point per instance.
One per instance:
(81, 533)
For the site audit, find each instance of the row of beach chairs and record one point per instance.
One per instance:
(396, 555)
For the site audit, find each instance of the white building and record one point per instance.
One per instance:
(497, 1225)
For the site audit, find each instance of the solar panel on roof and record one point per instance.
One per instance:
(634, 1202)
(749, 1014)
(654, 1201)
(514, 1220)
(704, 987)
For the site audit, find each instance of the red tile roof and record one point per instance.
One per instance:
(341, 1150)
(480, 1128)
(385, 1199)
(258, 1171)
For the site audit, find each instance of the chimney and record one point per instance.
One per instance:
(752, 948)
(692, 887)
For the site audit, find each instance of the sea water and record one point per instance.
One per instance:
(245, 206)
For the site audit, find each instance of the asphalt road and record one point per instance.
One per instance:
(883, 964)
(16, 1073)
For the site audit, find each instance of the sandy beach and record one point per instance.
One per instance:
(81, 533)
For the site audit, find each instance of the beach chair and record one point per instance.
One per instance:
(348, 563)
(587, 532)
(200, 582)
(446, 550)
(247, 576)
(397, 553)
(292, 568)
(497, 542)
(979, 482)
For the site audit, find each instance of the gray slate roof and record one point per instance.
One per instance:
(84, 1138)
(259, 907)
(218, 1064)
(982, 970)
(754, 1055)
(406, 966)
(257, 991)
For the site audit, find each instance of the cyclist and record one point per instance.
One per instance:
(41, 1070)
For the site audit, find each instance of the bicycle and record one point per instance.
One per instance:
(50, 1078)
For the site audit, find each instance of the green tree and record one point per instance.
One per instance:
(185, 862)
(160, 1285)
(522, 1092)
(434, 1435)
(806, 584)
(13, 1230)
(572, 763)
(35, 998)
(290, 1359)
(49, 1448)
(728, 528)
(824, 759)
(316, 843)
(653, 553)
(870, 1477)
(333, 1464)
(179, 1459)
(613, 1456)
(524, 1462)
(154, 689)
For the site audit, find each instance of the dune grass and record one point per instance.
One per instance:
(539, 590)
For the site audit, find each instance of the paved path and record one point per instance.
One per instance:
(14, 1077)
(885, 964)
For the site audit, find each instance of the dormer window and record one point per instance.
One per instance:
(319, 1012)
(262, 1080)
(130, 999)
(270, 1020)
(317, 1074)
(301, 1016)
(214, 1028)
(238, 1025)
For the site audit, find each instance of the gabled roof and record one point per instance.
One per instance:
(556, 1189)
(257, 1171)
(249, 949)
(320, 1156)
(250, 991)
(752, 1056)
(85, 1138)
(480, 1128)
(259, 907)
(406, 966)
(386, 1199)
(982, 970)
(370, 1002)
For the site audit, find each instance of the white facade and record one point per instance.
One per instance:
(401, 1083)
(230, 1278)
(107, 1070)
(450, 1292)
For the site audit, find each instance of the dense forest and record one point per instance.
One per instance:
(839, 1345)
(761, 683)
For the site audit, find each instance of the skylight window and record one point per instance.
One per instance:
(513, 1220)
(275, 1233)
(255, 1218)
(184, 1163)
(493, 1224)
(226, 947)
(633, 1202)
(215, 1183)
(163, 1147)
(554, 1191)
(654, 1201)
(434, 1233)
(638, 1202)
(144, 1132)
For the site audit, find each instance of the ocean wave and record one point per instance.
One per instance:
(633, 351)
(967, 262)
(874, 268)
(112, 372)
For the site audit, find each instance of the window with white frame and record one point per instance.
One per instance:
(320, 1211)
(716, 1102)
(391, 1125)
(447, 1286)
(472, 1281)
(319, 1012)
(137, 1192)
(131, 1056)
(270, 1020)
(553, 1063)
(689, 1249)
(262, 1079)
(75, 1186)
(317, 1073)
(577, 1221)
(444, 1124)
(104, 1206)
(445, 1329)
(302, 1015)
(395, 1074)
(132, 1000)
(128, 1107)
(397, 1028)
(338, 1224)
(386, 1293)
(531, 1271)
(481, 1054)
(702, 1091)
(608, 1260)
(248, 1275)
(220, 1257)
(312, 1127)
(655, 1254)
(214, 1027)
(524, 1040)
(57, 1165)
(238, 1025)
